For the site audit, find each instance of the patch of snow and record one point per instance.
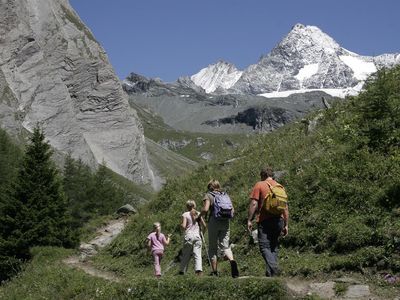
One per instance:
(26, 125)
(341, 93)
(221, 74)
(362, 69)
(350, 52)
(128, 83)
(307, 71)
(184, 96)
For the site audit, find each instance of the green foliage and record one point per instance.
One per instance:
(340, 288)
(35, 213)
(10, 155)
(343, 191)
(379, 110)
(101, 193)
(343, 181)
(220, 145)
(46, 277)
(38, 206)
(77, 181)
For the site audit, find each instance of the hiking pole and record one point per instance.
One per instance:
(205, 247)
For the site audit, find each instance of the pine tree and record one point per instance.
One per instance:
(78, 181)
(379, 110)
(105, 197)
(10, 156)
(36, 212)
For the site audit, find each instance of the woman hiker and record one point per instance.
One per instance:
(218, 227)
(191, 223)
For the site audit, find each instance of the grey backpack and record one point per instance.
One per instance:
(223, 208)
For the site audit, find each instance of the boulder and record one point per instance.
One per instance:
(126, 209)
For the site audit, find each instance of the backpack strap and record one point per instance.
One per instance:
(263, 198)
(211, 207)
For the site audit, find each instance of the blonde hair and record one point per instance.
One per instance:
(213, 185)
(156, 225)
(190, 204)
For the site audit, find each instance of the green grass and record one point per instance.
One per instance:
(341, 288)
(343, 191)
(141, 192)
(220, 145)
(46, 277)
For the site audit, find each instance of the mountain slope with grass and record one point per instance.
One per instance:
(342, 173)
(191, 148)
(343, 182)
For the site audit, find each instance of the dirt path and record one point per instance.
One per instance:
(296, 287)
(87, 267)
(104, 236)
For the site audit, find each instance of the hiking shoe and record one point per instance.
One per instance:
(234, 269)
(214, 273)
(272, 274)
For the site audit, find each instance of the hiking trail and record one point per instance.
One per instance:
(104, 236)
(295, 286)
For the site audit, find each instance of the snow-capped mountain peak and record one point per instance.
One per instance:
(220, 75)
(309, 59)
(309, 37)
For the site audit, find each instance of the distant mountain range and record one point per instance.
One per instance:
(306, 65)
(306, 59)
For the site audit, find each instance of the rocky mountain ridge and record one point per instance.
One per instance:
(54, 73)
(306, 59)
(306, 67)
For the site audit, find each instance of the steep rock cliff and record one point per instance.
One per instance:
(53, 72)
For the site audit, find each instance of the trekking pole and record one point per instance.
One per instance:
(205, 247)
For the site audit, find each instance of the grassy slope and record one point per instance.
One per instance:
(168, 163)
(46, 277)
(343, 216)
(217, 144)
(344, 213)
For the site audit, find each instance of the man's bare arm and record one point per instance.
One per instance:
(251, 212)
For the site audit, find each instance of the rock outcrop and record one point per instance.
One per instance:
(54, 73)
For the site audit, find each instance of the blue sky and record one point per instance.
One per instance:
(172, 38)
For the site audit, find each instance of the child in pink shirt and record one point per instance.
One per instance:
(155, 243)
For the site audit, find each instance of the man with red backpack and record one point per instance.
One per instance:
(268, 203)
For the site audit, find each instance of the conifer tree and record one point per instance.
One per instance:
(78, 181)
(36, 212)
(379, 110)
(10, 156)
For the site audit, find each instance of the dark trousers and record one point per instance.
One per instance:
(269, 231)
